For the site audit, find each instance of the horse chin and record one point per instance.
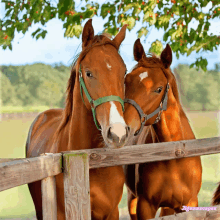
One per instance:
(113, 146)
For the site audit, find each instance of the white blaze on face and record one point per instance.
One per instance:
(116, 121)
(143, 75)
(109, 66)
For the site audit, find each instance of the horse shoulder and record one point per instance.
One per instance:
(41, 132)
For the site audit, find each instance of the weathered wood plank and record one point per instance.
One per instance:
(19, 172)
(194, 215)
(76, 187)
(9, 159)
(151, 152)
(49, 198)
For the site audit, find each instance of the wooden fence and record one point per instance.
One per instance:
(76, 165)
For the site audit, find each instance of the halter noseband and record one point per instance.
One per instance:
(99, 101)
(144, 117)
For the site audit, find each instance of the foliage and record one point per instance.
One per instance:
(198, 91)
(7, 91)
(39, 84)
(173, 16)
(36, 84)
(21, 109)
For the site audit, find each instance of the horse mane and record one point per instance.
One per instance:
(98, 40)
(152, 61)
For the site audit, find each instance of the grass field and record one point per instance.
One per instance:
(19, 109)
(17, 203)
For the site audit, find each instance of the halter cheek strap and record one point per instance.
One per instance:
(99, 101)
(144, 117)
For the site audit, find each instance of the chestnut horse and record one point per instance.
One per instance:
(94, 100)
(153, 102)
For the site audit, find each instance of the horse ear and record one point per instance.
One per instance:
(88, 34)
(138, 50)
(166, 56)
(120, 36)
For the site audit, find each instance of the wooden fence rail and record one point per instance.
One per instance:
(105, 157)
(21, 171)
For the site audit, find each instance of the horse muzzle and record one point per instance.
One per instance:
(117, 135)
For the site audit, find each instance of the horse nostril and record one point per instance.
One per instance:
(127, 131)
(109, 134)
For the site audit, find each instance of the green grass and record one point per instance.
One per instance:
(17, 202)
(19, 109)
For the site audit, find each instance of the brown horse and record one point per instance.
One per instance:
(98, 75)
(153, 102)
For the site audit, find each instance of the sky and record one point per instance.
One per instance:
(55, 48)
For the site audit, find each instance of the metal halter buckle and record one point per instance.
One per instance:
(159, 114)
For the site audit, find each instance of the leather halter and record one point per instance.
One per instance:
(144, 117)
(99, 101)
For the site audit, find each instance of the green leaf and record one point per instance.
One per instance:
(8, 12)
(35, 32)
(142, 31)
(165, 36)
(38, 36)
(191, 65)
(43, 34)
(130, 21)
(88, 14)
(156, 47)
(88, 6)
(127, 7)
(104, 10)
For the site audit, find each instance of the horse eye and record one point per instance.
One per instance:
(158, 90)
(89, 74)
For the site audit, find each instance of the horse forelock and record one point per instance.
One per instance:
(98, 40)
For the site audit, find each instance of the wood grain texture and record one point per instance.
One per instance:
(76, 187)
(10, 159)
(28, 170)
(151, 152)
(194, 215)
(49, 198)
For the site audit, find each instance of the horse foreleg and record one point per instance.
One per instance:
(35, 190)
(132, 205)
(193, 202)
(145, 210)
(166, 211)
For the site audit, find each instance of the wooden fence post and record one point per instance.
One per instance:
(49, 198)
(76, 186)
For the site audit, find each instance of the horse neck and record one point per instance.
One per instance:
(173, 125)
(80, 131)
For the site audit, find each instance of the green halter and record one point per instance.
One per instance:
(99, 101)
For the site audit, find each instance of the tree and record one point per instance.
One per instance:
(8, 95)
(50, 94)
(172, 15)
(198, 92)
